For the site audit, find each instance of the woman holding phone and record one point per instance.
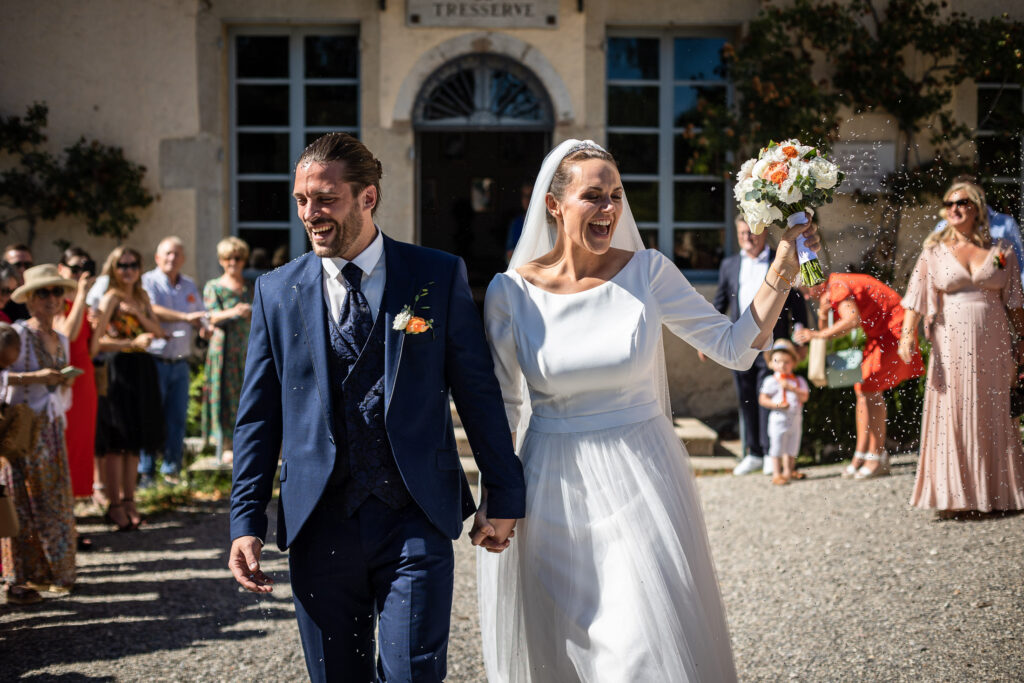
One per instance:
(42, 556)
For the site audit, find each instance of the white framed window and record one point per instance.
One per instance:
(677, 191)
(289, 85)
(999, 107)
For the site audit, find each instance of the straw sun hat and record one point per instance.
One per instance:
(40, 277)
(783, 345)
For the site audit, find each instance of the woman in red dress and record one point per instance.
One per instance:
(861, 300)
(81, 430)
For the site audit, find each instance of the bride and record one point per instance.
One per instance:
(610, 575)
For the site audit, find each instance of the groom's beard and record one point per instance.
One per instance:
(344, 236)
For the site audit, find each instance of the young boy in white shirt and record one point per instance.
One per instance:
(784, 395)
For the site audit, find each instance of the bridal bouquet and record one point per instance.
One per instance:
(779, 185)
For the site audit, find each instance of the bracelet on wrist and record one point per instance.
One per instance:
(781, 276)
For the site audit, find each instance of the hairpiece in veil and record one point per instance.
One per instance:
(538, 238)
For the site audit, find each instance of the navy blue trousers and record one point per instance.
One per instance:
(754, 417)
(379, 565)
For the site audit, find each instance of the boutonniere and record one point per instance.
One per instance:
(1000, 260)
(408, 322)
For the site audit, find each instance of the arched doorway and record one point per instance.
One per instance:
(483, 124)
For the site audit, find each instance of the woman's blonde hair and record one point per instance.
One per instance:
(232, 245)
(981, 235)
(110, 269)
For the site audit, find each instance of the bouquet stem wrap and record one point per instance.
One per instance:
(810, 269)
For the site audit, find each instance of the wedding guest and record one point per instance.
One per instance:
(862, 301)
(783, 395)
(130, 413)
(739, 277)
(610, 576)
(178, 306)
(42, 556)
(966, 288)
(228, 301)
(8, 283)
(10, 348)
(77, 265)
(1001, 226)
(20, 258)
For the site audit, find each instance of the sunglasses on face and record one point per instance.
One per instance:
(22, 264)
(6, 291)
(962, 203)
(133, 265)
(78, 270)
(44, 293)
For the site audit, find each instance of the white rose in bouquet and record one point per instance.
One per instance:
(824, 172)
(742, 188)
(759, 215)
(788, 191)
(747, 169)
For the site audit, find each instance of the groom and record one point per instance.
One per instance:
(352, 354)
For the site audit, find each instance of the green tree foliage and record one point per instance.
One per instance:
(903, 58)
(89, 181)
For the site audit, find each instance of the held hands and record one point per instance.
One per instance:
(493, 535)
(244, 563)
(786, 260)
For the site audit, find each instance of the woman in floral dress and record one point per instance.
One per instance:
(42, 556)
(228, 300)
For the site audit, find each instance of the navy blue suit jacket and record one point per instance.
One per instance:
(286, 407)
(794, 310)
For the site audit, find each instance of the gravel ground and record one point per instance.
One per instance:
(824, 580)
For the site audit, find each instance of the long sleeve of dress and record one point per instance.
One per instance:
(694, 319)
(501, 339)
(919, 287)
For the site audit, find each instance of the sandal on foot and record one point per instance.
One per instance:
(20, 595)
(780, 480)
(127, 525)
(135, 519)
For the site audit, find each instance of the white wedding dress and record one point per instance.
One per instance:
(609, 577)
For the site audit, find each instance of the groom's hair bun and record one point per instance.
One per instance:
(361, 168)
(562, 177)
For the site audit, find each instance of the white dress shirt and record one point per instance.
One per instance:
(371, 262)
(752, 273)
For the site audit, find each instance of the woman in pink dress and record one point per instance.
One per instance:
(967, 289)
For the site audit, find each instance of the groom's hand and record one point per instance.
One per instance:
(244, 563)
(491, 534)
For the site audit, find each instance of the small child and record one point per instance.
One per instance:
(784, 394)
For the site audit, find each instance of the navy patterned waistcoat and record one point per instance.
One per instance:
(364, 464)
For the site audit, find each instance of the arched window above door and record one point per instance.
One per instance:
(483, 91)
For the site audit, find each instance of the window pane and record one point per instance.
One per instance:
(649, 236)
(634, 153)
(634, 105)
(261, 56)
(263, 153)
(633, 58)
(643, 200)
(699, 202)
(687, 103)
(267, 248)
(332, 105)
(262, 105)
(998, 108)
(690, 158)
(1005, 198)
(999, 155)
(698, 59)
(264, 200)
(698, 249)
(331, 56)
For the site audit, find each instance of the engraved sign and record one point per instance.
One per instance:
(482, 13)
(865, 164)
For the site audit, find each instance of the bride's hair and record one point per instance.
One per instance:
(562, 177)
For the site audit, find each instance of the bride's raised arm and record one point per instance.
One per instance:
(695, 320)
